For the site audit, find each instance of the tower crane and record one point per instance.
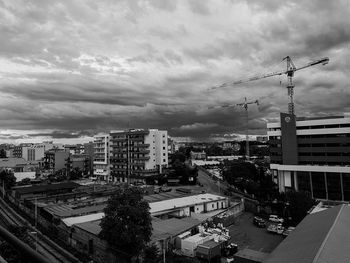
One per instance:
(291, 69)
(245, 106)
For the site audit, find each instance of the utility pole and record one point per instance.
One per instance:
(245, 106)
(36, 212)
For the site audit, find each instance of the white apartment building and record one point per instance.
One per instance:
(34, 152)
(137, 153)
(101, 156)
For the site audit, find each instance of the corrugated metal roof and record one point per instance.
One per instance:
(46, 187)
(92, 227)
(82, 219)
(322, 237)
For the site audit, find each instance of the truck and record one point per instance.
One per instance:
(210, 249)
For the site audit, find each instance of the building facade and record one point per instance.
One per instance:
(311, 155)
(55, 159)
(101, 163)
(138, 153)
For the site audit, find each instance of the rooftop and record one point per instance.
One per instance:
(82, 219)
(45, 187)
(183, 201)
(172, 227)
(320, 238)
(161, 228)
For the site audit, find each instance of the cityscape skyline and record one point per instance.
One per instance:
(71, 70)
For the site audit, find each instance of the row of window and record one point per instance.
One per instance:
(325, 185)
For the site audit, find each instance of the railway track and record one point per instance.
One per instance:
(44, 246)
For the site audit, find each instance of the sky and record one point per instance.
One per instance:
(72, 69)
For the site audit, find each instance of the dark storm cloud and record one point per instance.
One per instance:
(80, 67)
(63, 134)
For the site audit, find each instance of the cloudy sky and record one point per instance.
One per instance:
(70, 69)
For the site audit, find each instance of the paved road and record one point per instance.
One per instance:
(209, 184)
(246, 235)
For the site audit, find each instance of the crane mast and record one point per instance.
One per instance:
(245, 106)
(291, 69)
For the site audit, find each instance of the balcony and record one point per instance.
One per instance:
(144, 158)
(142, 145)
(119, 169)
(118, 139)
(139, 151)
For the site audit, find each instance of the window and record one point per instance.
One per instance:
(164, 160)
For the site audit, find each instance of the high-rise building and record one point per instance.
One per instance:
(311, 155)
(138, 153)
(101, 157)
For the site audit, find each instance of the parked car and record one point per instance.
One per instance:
(288, 231)
(275, 228)
(274, 218)
(259, 222)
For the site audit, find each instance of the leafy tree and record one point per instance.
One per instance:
(127, 225)
(299, 203)
(76, 173)
(178, 156)
(151, 254)
(8, 178)
(236, 170)
(3, 153)
(10, 253)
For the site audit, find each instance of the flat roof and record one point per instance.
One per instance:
(184, 201)
(161, 228)
(46, 187)
(321, 237)
(82, 219)
(64, 210)
(172, 227)
(92, 227)
(165, 196)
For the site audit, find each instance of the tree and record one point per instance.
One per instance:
(127, 225)
(7, 178)
(3, 153)
(299, 203)
(151, 254)
(10, 253)
(76, 173)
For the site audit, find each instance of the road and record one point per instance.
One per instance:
(246, 235)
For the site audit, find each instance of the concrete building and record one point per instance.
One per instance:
(137, 153)
(34, 152)
(81, 162)
(198, 155)
(101, 157)
(55, 159)
(311, 155)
